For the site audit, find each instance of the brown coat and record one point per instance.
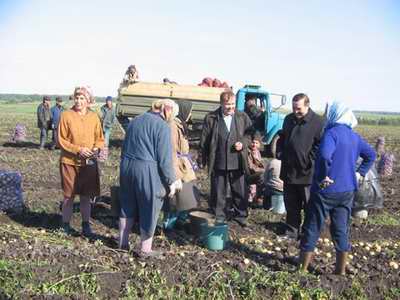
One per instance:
(180, 145)
(76, 131)
(255, 162)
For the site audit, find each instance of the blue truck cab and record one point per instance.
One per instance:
(272, 120)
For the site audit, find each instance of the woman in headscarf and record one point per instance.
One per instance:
(80, 139)
(184, 165)
(334, 183)
(146, 175)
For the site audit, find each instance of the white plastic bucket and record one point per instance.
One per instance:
(277, 204)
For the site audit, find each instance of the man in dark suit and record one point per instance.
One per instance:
(223, 148)
(297, 148)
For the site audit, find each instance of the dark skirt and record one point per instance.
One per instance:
(82, 180)
(188, 197)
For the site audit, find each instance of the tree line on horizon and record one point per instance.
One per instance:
(21, 98)
(363, 117)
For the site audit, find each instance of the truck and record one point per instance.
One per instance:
(136, 98)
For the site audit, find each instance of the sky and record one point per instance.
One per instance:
(331, 50)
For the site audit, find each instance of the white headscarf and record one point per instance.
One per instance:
(339, 113)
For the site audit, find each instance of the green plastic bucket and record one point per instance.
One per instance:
(214, 237)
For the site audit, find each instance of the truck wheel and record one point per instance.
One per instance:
(273, 145)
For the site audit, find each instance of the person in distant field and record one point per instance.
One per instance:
(256, 167)
(224, 141)
(108, 118)
(146, 175)
(297, 148)
(56, 111)
(335, 180)
(44, 120)
(80, 138)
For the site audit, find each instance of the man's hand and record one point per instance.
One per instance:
(238, 146)
(325, 183)
(360, 179)
(85, 152)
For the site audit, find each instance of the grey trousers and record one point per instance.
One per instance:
(43, 136)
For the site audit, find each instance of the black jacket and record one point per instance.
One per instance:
(297, 147)
(43, 116)
(209, 136)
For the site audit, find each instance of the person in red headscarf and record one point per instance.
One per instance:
(80, 137)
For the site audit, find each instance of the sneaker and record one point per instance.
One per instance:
(86, 230)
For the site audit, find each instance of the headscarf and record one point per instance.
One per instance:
(86, 91)
(185, 108)
(338, 113)
(158, 105)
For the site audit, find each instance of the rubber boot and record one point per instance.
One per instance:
(304, 260)
(341, 261)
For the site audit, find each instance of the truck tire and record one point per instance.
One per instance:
(273, 145)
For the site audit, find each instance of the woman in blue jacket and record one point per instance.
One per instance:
(334, 183)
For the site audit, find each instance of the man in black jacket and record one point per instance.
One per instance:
(297, 148)
(223, 148)
(44, 120)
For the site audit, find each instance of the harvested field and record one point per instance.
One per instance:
(37, 261)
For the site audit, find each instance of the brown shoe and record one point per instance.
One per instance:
(304, 260)
(341, 261)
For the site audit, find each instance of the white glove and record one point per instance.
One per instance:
(178, 185)
(172, 190)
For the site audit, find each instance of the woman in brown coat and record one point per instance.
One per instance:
(184, 165)
(80, 137)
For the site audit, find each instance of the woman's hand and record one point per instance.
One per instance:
(85, 152)
(325, 183)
